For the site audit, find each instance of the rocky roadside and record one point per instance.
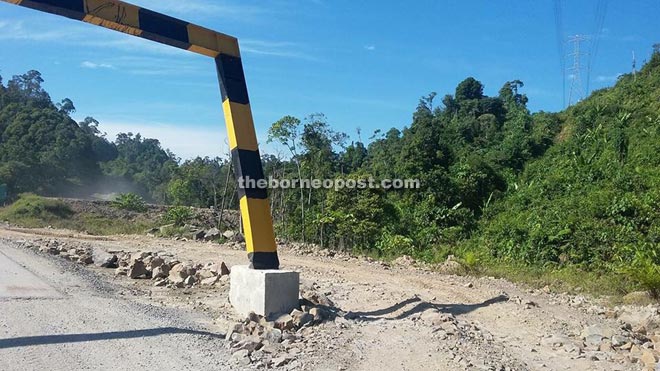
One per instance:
(289, 341)
(319, 334)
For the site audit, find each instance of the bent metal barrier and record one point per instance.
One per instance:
(137, 21)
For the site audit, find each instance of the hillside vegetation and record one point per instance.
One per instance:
(593, 200)
(43, 150)
(570, 196)
(33, 211)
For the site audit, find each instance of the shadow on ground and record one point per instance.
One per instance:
(79, 338)
(418, 306)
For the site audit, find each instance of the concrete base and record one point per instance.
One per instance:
(264, 292)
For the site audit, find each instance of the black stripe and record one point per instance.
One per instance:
(164, 29)
(232, 79)
(264, 260)
(69, 8)
(247, 165)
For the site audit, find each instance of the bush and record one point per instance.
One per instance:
(648, 276)
(179, 215)
(131, 202)
(31, 206)
(32, 211)
(172, 231)
(470, 261)
(394, 244)
(645, 271)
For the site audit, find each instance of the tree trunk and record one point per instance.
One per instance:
(302, 203)
(224, 193)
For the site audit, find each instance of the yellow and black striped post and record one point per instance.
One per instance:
(137, 21)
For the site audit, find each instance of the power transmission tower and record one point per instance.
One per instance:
(634, 66)
(577, 89)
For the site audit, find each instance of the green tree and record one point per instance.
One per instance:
(66, 106)
(357, 217)
(144, 162)
(287, 131)
(469, 89)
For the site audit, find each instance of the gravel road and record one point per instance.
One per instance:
(57, 316)
(399, 317)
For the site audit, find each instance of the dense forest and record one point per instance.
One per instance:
(576, 188)
(43, 150)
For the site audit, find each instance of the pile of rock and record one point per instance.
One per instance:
(74, 252)
(231, 236)
(274, 342)
(310, 249)
(637, 344)
(190, 232)
(278, 341)
(450, 266)
(167, 272)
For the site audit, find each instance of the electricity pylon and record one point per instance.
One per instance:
(577, 89)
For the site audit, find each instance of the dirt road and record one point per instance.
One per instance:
(56, 316)
(397, 318)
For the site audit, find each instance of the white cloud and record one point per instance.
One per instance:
(92, 65)
(88, 36)
(370, 47)
(283, 49)
(608, 78)
(202, 8)
(157, 66)
(133, 44)
(17, 30)
(186, 141)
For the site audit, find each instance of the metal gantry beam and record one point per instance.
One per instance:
(147, 24)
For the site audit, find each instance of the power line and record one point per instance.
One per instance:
(559, 29)
(579, 87)
(600, 14)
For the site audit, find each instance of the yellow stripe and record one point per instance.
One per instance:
(240, 126)
(17, 2)
(114, 15)
(211, 43)
(258, 225)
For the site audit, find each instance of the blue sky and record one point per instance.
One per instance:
(362, 63)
